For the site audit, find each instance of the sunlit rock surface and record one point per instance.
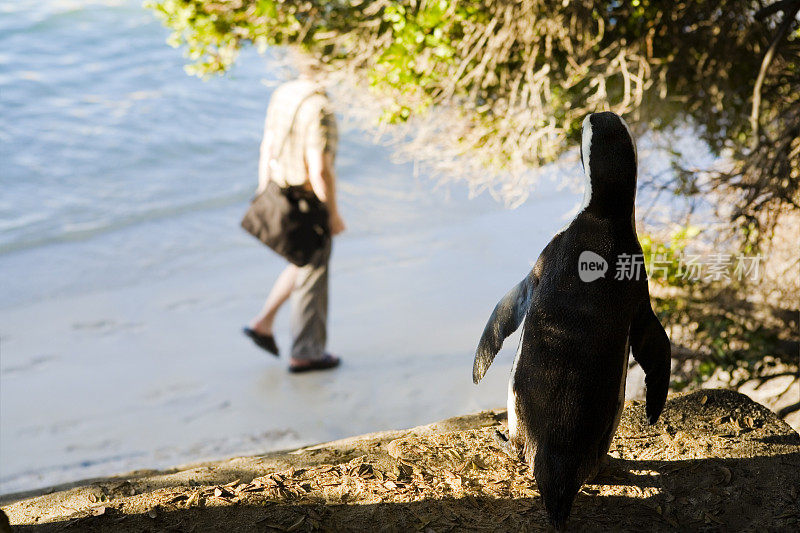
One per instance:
(715, 460)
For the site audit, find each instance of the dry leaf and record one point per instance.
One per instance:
(296, 525)
(478, 463)
(177, 498)
(404, 470)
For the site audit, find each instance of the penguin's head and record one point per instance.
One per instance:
(608, 155)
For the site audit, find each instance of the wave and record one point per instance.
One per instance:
(87, 231)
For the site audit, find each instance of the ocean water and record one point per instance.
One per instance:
(125, 278)
(102, 130)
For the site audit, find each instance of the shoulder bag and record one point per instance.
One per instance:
(290, 220)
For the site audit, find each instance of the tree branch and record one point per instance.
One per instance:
(766, 11)
(791, 11)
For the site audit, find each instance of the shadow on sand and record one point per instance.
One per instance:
(758, 493)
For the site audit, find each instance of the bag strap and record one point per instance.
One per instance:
(288, 134)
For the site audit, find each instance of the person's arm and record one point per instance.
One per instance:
(323, 181)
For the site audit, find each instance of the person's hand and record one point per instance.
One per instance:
(336, 223)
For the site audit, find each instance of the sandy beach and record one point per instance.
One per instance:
(157, 373)
(126, 277)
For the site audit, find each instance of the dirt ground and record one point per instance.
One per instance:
(715, 461)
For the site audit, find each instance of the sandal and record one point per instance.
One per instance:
(328, 361)
(265, 342)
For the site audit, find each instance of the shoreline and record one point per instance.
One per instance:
(171, 353)
(265, 462)
(709, 455)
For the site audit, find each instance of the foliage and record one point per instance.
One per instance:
(667, 256)
(487, 90)
(716, 323)
(494, 88)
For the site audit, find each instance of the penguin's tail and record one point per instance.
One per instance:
(558, 475)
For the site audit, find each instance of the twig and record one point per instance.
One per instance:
(773, 8)
(789, 409)
(788, 20)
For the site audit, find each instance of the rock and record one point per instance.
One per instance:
(715, 460)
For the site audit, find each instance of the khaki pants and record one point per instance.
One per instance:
(309, 315)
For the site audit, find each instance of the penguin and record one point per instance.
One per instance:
(580, 320)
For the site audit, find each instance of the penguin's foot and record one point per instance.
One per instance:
(507, 446)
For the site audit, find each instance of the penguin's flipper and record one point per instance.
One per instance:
(651, 349)
(505, 319)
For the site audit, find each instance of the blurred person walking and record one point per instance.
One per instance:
(296, 174)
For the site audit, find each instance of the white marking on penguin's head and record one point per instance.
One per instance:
(586, 142)
(586, 150)
(609, 158)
